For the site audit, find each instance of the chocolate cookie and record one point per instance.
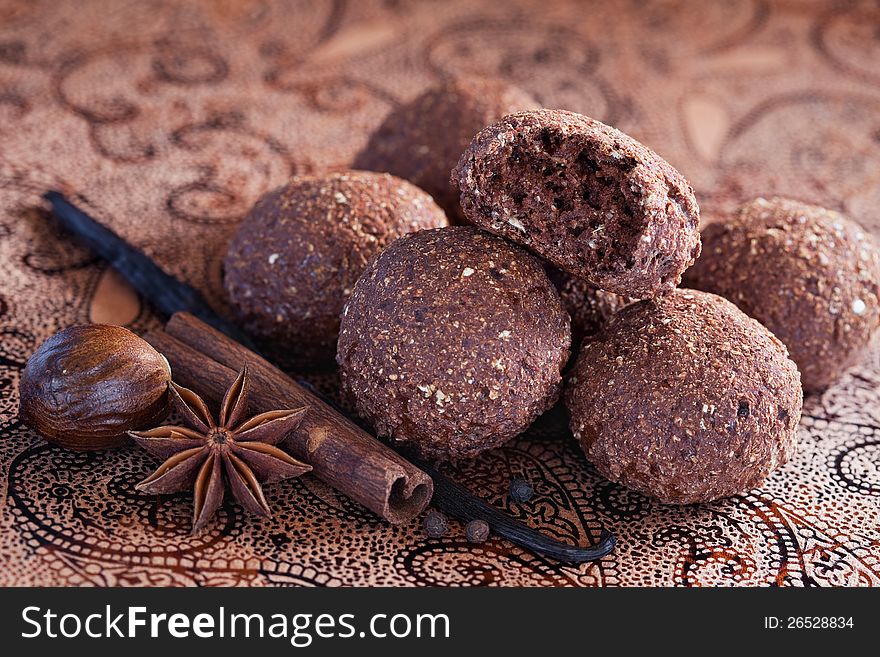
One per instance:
(589, 307)
(588, 198)
(423, 139)
(685, 398)
(808, 274)
(453, 340)
(296, 256)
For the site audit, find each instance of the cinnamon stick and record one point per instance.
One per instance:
(340, 453)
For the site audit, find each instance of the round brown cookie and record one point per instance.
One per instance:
(296, 256)
(808, 274)
(589, 307)
(453, 340)
(423, 139)
(685, 398)
(588, 198)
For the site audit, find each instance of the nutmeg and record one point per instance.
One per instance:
(87, 385)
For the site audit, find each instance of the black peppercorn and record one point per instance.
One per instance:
(521, 490)
(435, 524)
(477, 531)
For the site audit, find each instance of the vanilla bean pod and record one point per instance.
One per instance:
(458, 502)
(165, 292)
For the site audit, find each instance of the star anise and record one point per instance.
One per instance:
(209, 456)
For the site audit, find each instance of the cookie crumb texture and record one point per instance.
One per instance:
(296, 256)
(685, 398)
(589, 307)
(423, 139)
(808, 274)
(454, 341)
(584, 196)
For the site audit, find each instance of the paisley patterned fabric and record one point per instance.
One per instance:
(166, 119)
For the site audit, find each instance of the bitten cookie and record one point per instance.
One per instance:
(453, 341)
(584, 196)
(808, 274)
(685, 398)
(423, 139)
(296, 256)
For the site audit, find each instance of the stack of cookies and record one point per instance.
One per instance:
(454, 339)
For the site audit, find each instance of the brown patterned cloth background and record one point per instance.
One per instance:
(167, 119)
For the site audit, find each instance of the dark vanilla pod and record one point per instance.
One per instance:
(166, 293)
(458, 502)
